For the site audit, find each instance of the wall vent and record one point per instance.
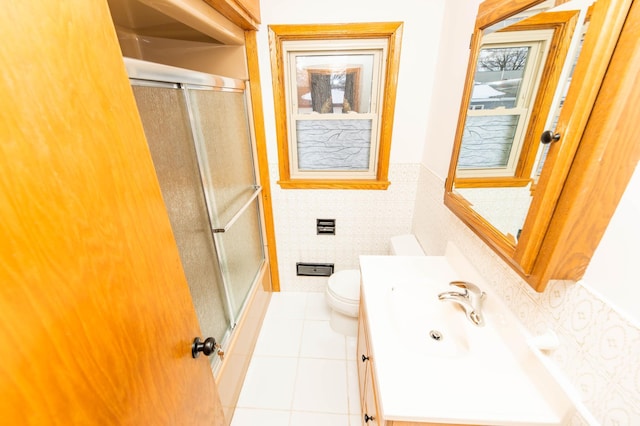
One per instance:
(314, 269)
(326, 226)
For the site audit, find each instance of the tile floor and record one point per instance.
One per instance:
(302, 372)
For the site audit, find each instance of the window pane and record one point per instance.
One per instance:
(334, 84)
(333, 144)
(487, 141)
(498, 77)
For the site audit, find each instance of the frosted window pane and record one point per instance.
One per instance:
(333, 144)
(487, 141)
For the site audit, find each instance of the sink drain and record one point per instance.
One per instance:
(435, 335)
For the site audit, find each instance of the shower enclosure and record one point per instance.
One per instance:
(199, 135)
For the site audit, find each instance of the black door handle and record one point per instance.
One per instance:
(549, 136)
(207, 347)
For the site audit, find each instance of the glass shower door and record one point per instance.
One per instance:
(225, 153)
(165, 119)
(197, 128)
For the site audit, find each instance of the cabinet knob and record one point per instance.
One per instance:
(364, 358)
(368, 417)
(549, 136)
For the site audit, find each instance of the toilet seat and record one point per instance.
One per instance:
(345, 286)
(343, 292)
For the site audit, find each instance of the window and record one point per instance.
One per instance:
(334, 89)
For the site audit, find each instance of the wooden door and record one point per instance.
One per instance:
(96, 317)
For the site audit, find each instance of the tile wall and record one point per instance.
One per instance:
(365, 221)
(599, 349)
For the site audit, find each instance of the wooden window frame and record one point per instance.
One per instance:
(278, 34)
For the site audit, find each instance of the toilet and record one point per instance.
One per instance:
(343, 287)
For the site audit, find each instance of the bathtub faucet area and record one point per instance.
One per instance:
(470, 297)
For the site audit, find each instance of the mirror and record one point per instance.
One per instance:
(518, 77)
(503, 182)
(520, 71)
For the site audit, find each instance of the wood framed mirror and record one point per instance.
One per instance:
(534, 66)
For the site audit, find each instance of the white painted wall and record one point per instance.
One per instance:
(458, 22)
(422, 27)
(613, 271)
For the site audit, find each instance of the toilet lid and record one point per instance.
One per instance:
(345, 284)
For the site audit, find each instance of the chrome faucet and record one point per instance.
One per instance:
(470, 297)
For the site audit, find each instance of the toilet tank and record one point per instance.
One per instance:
(406, 245)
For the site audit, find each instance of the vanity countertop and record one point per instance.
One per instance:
(490, 377)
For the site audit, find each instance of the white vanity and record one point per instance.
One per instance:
(421, 361)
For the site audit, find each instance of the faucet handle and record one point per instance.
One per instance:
(469, 287)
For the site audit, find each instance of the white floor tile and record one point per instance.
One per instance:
(355, 420)
(352, 347)
(253, 417)
(287, 304)
(320, 341)
(302, 372)
(279, 337)
(269, 383)
(321, 386)
(318, 419)
(317, 308)
(353, 387)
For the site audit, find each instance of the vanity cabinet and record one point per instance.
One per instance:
(371, 412)
(366, 380)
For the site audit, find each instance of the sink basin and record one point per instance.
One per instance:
(425, 325)
(471, 375)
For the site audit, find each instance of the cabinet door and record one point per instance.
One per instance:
(365, 373)
(370, 406)
(362, 354)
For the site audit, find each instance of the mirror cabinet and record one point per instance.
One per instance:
(545, 144)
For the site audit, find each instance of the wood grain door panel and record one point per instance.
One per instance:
(97, 320)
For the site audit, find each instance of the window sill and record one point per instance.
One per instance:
(333, 184)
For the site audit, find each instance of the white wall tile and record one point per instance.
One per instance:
(365, 221)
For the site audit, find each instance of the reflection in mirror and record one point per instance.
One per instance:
(544, 148)
(522, 73)
(508, 71)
